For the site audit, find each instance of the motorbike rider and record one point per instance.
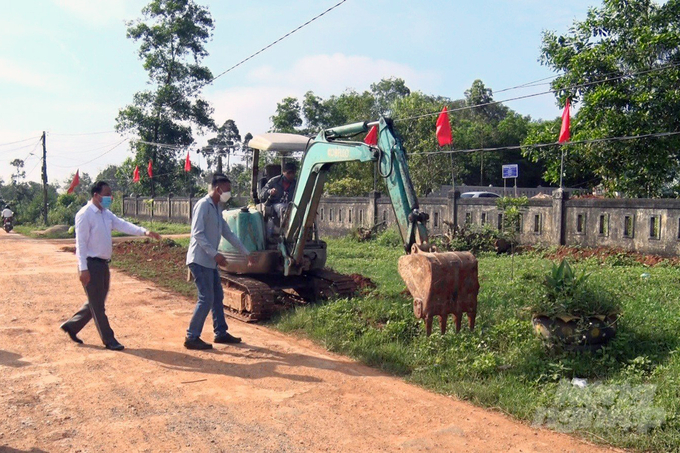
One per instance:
(7, 215)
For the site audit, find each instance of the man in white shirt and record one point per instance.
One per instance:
(7, 214)
(94, 223)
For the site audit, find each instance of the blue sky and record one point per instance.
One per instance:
(66, 66)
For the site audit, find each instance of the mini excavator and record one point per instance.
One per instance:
(290, 259)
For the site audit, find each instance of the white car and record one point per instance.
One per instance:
(479, 195)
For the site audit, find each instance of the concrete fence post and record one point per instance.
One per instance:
(169, 207)
(373, 207)
(452, 205)
(559, 216)
(136, 206)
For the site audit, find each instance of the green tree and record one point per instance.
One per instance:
(172, 36)
(615, 40)
(225, 143)
(19, 172)
(82, 188)
(287, 117)
(386, 92)
(119, 183)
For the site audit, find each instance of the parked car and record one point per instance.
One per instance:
(479, 195)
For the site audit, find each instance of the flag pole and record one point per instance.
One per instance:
(562, 168)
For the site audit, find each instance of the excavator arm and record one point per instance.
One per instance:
(331, 147)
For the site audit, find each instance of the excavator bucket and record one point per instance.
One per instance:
(441, 284)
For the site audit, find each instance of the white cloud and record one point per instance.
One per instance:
(13, 73)
(101, 12)
(332, 74)
(251, 106)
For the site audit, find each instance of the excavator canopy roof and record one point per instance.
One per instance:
(276, 141)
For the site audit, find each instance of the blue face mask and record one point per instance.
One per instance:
(106, 202)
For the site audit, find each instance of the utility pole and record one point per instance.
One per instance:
(44, 178)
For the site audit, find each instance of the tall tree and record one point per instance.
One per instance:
(172, 36)
(386, 92)
(224, 144)
(19, 172)
(620, 68)
(287, 117)
(83, 187)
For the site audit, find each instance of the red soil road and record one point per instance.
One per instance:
(271, 393)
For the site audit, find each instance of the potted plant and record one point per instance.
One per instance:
(573, 312)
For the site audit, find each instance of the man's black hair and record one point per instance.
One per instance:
(98, 186)
(219, 178)
(289, 166)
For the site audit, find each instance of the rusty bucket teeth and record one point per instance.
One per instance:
(441, 284)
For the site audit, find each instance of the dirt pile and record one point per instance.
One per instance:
(610, 255)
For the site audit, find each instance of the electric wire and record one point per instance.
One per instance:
(93, 159)
(80, 134)
(19, 141)
(263, 49)
(544, 145)
(542, 93)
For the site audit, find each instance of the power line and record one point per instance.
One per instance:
(544, 145)
(19, 141)
(18, 148)
(85, 133)
(265, 48)
(542, 93)
(529, 84)
(92, 160)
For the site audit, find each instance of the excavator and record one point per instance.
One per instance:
(290, 258)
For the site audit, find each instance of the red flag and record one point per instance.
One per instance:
(75, 182)
(372, 136)
(149, 169)
(564, 132)
(444, 128)
(135, 175)
(187, 163)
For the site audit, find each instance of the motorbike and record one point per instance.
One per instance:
(7, 225)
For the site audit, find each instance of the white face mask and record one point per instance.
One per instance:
(225, 196)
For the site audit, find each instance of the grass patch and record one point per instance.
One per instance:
(34, 231)
(501, 364)
(163, 228)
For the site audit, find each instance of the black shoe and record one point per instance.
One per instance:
(71, 335)
(115, 346)
(197, 344)
(227, 338)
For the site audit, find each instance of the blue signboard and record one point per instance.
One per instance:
(510, 171)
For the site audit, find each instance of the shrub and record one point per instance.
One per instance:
(390, 238)
(572, 293)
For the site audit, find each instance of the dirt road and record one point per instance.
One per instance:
(271, 393)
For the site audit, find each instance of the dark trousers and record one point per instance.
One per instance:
(94, 308)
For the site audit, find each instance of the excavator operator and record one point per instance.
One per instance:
(280, 188)
(276, 195)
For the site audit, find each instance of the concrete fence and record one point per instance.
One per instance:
(644, 225)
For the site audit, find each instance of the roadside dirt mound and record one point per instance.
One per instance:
(610, 255)
(167, 251)
(363, 283)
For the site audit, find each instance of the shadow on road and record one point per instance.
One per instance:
(264, 362)
(6, 449)
(11, 359)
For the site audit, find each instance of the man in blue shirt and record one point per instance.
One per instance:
(207, 227)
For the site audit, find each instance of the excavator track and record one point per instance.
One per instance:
(256, 298)
(247, 299)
